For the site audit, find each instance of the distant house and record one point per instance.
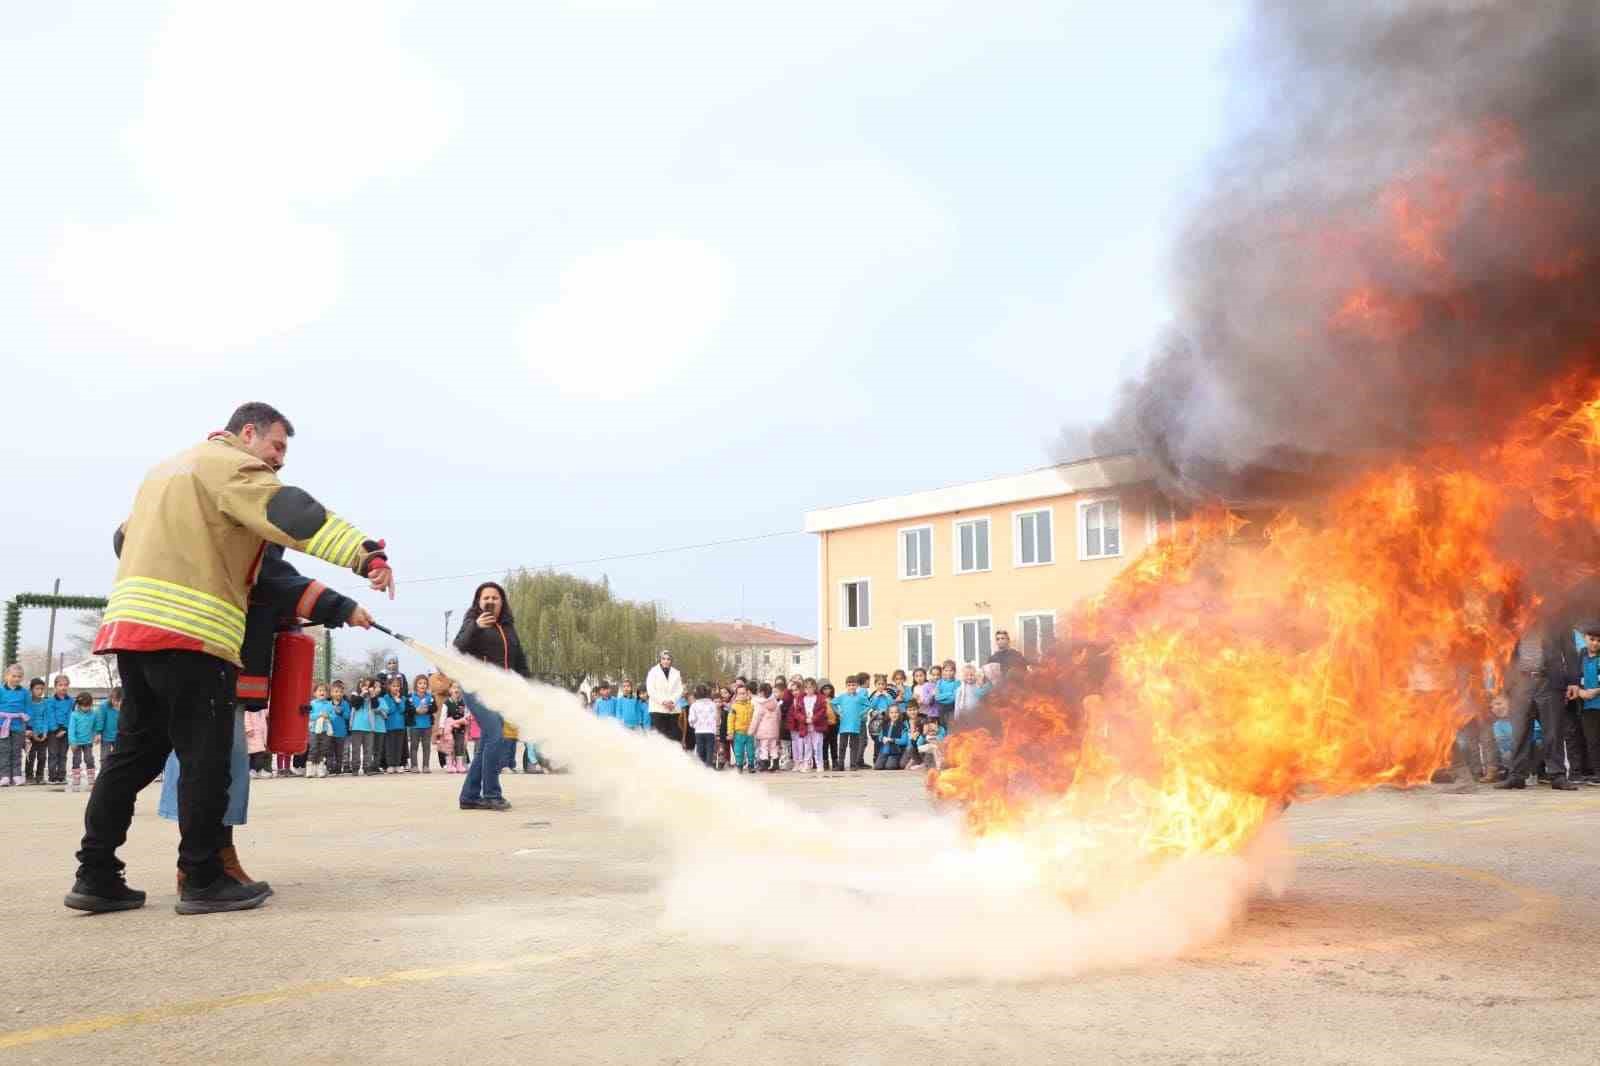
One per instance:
(758, 652)
(96, 675)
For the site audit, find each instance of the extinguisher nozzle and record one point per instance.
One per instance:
(401, 637)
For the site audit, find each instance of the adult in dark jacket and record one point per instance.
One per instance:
(488, 632)
(281, 594)
(1542, 676)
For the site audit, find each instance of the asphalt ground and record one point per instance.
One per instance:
(1444, 925)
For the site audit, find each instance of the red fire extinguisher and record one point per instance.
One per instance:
(289, 701)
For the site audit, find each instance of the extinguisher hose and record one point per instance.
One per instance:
(401, 637)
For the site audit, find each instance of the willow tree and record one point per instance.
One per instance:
(573, 628)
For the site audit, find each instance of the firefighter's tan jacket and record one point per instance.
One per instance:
(190, 551)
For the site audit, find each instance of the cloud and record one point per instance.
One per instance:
(295, 102)
(629, 317)
(199, 283)
(252, 115)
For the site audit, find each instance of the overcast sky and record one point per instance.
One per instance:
(550, 282)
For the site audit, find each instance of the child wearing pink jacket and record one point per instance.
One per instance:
(764, 726)
(255, 742)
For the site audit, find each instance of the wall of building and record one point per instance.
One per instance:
(999, 594)
(763, 663)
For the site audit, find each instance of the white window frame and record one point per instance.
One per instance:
(933, 641)
(955, 543)
(959, 651)
(1020, 643)
(1083, 528)
(844, 604)
(1016, 536)
(900, 550)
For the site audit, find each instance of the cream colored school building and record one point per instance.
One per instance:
(906, 581)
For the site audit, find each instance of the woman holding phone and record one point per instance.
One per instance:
(489, 633)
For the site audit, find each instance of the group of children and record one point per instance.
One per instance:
(808, 726)
(39, 733)
(381, 729)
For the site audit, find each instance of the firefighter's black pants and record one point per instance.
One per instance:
(178, 701)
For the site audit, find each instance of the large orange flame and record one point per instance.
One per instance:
(1221, 675)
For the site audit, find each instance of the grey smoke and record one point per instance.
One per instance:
(1251, 392)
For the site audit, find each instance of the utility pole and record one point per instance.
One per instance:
(447, 615)
(50, 643)
(327, 656)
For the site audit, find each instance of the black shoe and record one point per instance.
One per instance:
(223, 894)
(1444, 777)
(497, 804)
(1561, 784)
(103, 895)
(1513, 782)
(473, 805)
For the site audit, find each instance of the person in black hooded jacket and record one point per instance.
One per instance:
(488, 632)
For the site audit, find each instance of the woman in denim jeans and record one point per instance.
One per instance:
(489, 633)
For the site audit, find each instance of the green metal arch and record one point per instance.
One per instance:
(15, 605)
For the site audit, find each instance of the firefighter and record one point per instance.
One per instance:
(281, 596)
(189, 555)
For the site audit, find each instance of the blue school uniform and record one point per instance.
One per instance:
(339, 714)
(57, 713)
(633, 712)
(1591, 679)
(322, 710)
(944, 691)
(109, 717)
(15, 701)
(364, 718)
(81, 727)
(393, 712)
(851, 707)
(422, 714)
(606, 707)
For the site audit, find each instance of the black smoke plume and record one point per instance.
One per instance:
(1486, 118)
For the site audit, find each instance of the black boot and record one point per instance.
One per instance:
(223, 894)
(103, 894)
(1513, 781)
(1561, 784)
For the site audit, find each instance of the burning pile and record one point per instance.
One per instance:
(1409, 368)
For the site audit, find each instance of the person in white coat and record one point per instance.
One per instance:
(663, 687)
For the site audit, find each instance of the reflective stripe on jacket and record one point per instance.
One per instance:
(192, 548)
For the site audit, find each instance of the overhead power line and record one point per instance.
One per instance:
(602, 558)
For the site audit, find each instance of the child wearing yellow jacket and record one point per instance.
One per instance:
(740, 713)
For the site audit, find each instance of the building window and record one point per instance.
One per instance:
(1034, 537)
(974, 640)
(917, 642)
(1038, 633)
(916, 552)
(796, 658)
(766, 658)
(855, 602)
(972, 546)
(1099, 529)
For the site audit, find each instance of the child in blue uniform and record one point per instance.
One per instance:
(419, 734)
(58, 712)
(38, 744)
(320, 742)
(394, 706)
(83, 725)
(605, 704)
(13, 726)
(110, 716)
